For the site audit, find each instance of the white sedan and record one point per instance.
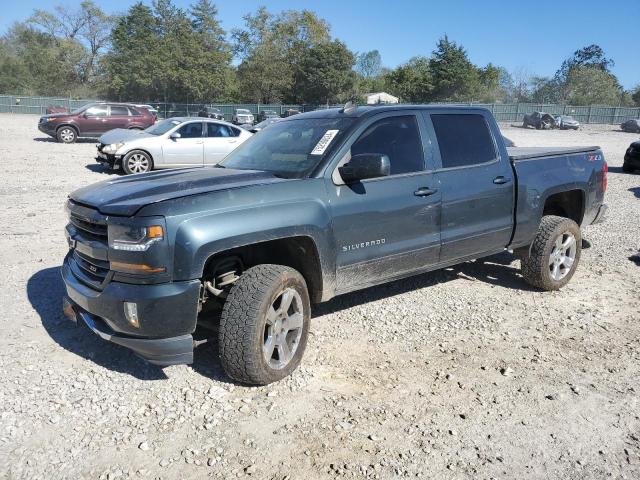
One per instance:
(171, 143)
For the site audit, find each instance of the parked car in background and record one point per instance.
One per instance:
(632, 158)
(632, 126)
(93, 120)
(566, 122)
(290, 112)
(267, 114)
(332, 202)
(538, 120)
(153, 111)
(56, 109)
(264, 124)
(171, 143)
(207, 111)
(242, 116)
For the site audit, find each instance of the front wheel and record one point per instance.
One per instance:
(66, 135)
(554, 253)
(137, 161)
(264, 324)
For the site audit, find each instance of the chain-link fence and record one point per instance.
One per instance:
(504, 112)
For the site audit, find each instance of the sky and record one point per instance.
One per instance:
(526, 36)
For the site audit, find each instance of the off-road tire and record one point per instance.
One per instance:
(66, 134)
(125, 162)
(626, 168)
(242, 323)
(535, 265)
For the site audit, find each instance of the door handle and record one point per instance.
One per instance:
(425, 192)
(501, 180)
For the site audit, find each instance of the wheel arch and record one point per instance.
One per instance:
(568, 203)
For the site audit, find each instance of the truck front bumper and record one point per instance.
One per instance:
(166, 315)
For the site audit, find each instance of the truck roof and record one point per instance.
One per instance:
(365, 110)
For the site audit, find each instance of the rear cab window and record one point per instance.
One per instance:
(464, 139)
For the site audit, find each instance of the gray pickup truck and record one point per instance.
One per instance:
(316, 205)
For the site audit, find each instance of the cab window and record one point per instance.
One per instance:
(191, 130)
(219, 130)
(97, 111)
(397, 137)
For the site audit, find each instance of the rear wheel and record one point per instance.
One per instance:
(137, 161)
(264, 324)
(67, 135)
(554, 254)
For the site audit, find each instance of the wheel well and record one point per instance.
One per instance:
(569, 204)
(295, 252)
(70, 126)
(138, 150)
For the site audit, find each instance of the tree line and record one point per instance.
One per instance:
(162, 53)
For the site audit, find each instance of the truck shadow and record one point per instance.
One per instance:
(45, 290)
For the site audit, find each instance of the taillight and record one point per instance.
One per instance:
(605, 169)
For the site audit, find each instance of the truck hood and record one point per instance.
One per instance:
(125, 196)
(121, 135)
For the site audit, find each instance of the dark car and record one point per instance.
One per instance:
(267, 114)
(539, 120)
(263, 124)
(93, 120)
(290, 112)
(312, 207)
(211, 112)
(632, 126)
(632, 158)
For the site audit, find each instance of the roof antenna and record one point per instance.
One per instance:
(348, 107)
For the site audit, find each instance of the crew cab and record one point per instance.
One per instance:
(317, 205)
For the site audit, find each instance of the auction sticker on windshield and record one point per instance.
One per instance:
(324, 142)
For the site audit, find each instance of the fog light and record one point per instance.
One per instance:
(131, 312)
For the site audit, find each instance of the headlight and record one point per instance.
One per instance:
(112, 148)
(134, 239)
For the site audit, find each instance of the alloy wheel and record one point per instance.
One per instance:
(283, 328)
(138, 163)
(563, 256)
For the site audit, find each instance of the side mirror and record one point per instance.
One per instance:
(175, 136)
(85, 115)
(364, 166)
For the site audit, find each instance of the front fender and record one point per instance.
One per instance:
(197, 239)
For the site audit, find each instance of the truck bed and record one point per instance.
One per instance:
(527, 153)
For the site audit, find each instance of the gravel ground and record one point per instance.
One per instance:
(463, 373)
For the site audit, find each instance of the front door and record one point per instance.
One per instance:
(387, 227)
(186, 150)
(94, 120)
(219, 141)
(477, 186)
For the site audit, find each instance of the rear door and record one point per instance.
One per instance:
(118, 117)
(188, 149)
(477, 185)
(220, 139)
(390, 226)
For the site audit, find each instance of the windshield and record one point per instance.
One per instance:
(290, 149)
(163, 127)
(81, 109)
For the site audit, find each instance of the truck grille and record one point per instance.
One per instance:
(94, 270)
(92, 228)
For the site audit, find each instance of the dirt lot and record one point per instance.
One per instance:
(464, 373)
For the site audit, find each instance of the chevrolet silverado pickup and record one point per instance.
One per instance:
(317, 205)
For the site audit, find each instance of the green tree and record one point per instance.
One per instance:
(591, 85)
(326, 73)
(635, 95)
(411, 82)
(270, 48)
(592, 55)
(455, 78)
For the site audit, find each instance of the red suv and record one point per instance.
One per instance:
(93, 120)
